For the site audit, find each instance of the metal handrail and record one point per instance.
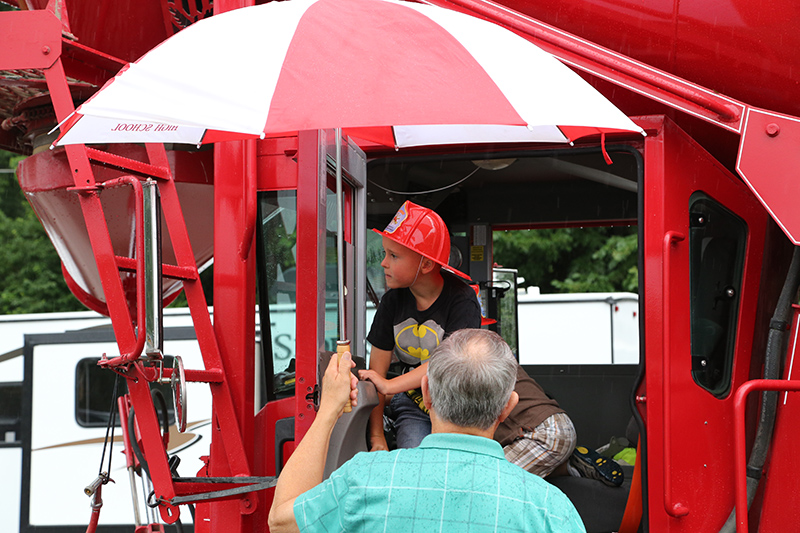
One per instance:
(141, 332)
(675, 510)
(740, 448)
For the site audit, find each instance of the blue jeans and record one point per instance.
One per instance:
(411, 423)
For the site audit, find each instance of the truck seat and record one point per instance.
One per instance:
(601, 507)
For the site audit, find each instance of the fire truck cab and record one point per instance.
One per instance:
(708, 191)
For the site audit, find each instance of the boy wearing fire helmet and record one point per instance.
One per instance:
(424, 304)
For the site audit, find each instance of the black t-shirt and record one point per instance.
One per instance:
(413, 335)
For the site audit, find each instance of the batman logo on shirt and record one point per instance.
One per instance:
(414, 343)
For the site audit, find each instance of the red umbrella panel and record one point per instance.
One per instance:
(395, 72)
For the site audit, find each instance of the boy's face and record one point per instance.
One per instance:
(400, 264)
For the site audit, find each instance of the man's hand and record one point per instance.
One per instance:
(338, 385)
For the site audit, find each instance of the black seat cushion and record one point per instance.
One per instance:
(601, 507)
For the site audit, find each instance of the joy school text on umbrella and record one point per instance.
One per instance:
(143, 127)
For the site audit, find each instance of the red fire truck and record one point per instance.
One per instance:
(710, 189)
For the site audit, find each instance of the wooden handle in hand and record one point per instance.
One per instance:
(342, 347)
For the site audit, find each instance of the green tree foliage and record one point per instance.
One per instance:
(593, 259)
(30, 270)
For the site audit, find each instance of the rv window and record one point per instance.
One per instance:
(717, 241)
(10, 411)
(93, 389)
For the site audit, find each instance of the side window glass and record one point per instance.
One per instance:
(332, 317)
(277, 288)
(505, 288)
(376, 283)
(277, 285)
(717, 240)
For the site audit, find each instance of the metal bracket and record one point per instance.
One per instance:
(313, 397)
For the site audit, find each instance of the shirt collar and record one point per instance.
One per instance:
(462, 442)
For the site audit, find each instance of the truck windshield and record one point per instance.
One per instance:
(560, 225)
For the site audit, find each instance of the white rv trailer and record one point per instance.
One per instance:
(596, 328)
(51, 434)
(54, 407)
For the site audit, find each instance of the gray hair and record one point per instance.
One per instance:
(470, 378)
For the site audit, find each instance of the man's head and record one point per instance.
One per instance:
(471, 378)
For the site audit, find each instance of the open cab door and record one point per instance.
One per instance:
(703, 240)
(298, 289)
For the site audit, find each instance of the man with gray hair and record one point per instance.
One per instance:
(457, 479)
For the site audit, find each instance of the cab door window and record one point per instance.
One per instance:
(277, 288)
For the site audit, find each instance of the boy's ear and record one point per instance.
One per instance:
(427, 266)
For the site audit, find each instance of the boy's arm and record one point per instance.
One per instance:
(378, 365)
(304, 469)
(404, 382)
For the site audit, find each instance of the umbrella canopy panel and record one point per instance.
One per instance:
(366, 65)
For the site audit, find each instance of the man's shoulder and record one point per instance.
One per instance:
(362, 460)
(536, 492)
(379, 460)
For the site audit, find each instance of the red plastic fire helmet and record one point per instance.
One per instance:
(423, 231)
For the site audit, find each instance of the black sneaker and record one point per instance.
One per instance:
(593, 465)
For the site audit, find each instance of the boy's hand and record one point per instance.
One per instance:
(378, 443)
(380, 382)
(338, 385)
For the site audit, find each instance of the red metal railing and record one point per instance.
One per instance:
(676, 510)
(141, 334)
(740, 451)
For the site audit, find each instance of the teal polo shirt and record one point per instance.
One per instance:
(451, 482)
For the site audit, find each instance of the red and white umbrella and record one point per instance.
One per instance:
(398, 73)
